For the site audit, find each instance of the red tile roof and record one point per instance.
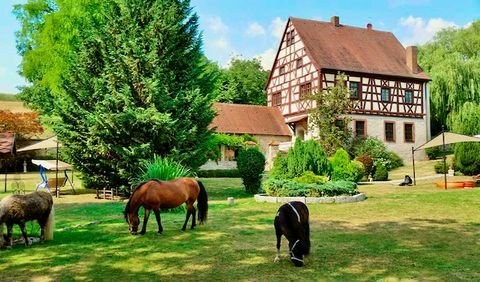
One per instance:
(355, 49)
(7, 143)
(249, 119)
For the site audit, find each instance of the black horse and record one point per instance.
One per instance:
(292, 221)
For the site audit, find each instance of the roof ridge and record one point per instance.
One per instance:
(245, 105)
(341, 25)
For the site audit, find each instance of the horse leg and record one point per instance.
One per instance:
(159, 221)
(24, 233)
(9, 238)
(278, 233)
(194, 216)
(189, 211)
(145, 220)
(42, 224)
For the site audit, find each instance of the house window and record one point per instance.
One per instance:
(299, 63)
(305, 89)
(389, 131)
(360, 128)
(385, 94)
(408, 96)
(355, 90)
(281, 70)
(408, 131)
(290, 37)
(277, 99)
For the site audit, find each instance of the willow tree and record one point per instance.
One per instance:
(467, 154)
(132, 85)
(452, 59)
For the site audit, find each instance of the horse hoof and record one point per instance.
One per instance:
(277, 259)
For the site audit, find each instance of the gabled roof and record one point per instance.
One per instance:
(348, 48)
(7, 143)
(249, 119)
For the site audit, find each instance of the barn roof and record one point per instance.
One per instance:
(348, 48)
(249, 119)
(7, 143)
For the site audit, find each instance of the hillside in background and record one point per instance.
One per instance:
(11, 103)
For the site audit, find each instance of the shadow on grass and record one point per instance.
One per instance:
(238, 243)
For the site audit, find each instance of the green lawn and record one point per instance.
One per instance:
(398, 233)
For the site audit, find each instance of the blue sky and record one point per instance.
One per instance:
(252, 28)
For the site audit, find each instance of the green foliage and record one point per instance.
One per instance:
(434, 153)
(129, 83)
(309, 177)
(439, 167)
(342, 167)
(307, 156)
(467, 154)
(452, 61)
(381, 172)
(367, 162)
(230, 141)
(289, 188)
(219, 173)
(280, 166)
(332, 106)
(242, 83)
(162, 169)
(251, 164)
(359, 170)
(375, 148)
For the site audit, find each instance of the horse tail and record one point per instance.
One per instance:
(50, 225)
(202, 203)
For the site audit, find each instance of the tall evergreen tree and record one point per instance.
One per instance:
(135, 87)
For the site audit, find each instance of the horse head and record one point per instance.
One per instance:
(297, 252)
(133, 222)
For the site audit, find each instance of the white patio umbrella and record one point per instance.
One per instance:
(443, 139)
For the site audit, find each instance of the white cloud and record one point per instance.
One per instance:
(467, 25)
(255, 29)
(421, 31)
(266, 58)
(216, 25)
(277, 27)
(221, 43)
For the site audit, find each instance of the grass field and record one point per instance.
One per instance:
(11, 103)
(419, 233)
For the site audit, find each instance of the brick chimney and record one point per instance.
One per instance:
(369, 26)
(411, 58)
(335, 20)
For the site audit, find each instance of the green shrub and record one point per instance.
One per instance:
(359, 170)
(381, 172)
(251, 164)
(289, 188)
(467, 158)
(367, 162)
(439, 167)
(307, 156)
(163, 169)
(342, 167)
(280, 166)
(219, 173)
(309, 177)
(375, 148)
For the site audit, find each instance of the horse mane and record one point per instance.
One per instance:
(127, 206)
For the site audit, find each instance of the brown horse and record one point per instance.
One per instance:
(18, 209)
(155, 195)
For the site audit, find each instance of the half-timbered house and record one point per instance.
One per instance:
(389, 91)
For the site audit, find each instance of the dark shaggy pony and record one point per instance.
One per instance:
(292, 222)
(18, 209)
(156, 195)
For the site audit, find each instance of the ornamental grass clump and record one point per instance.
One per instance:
(163, 169)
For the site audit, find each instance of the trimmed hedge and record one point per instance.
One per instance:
(381, 173)
(289, 188)
(251, 164)
(219, 173)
